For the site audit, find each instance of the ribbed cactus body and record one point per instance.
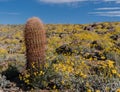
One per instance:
(35, 40)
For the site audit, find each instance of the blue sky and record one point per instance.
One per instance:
(59, 11)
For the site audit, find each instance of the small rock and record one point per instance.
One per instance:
(64, 49)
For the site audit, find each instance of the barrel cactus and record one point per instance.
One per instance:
(35, 40)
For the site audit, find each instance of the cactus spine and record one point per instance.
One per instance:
(35, 40)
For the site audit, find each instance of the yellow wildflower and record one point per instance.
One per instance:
(118, 90)
(110, 63)
(54, 87)
(118, 75)
(27, 81)
(35, 73)
(97, 91)
(83, 75)
(41, 73)
(33, 65)
(89, 90)
(114, 71)
(87, 84)
(62, 82)
(27, 75)
(46, 65)
(102, 57)
(20, 77)
(3, 51)
(77, 72)
(107, 89)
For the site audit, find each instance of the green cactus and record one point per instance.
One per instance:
(35, 40)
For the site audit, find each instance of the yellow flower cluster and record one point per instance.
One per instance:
(3, 51)
(63, 68)
(110, 63)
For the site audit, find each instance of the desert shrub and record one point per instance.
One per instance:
(39, 77)
(3, 53)
(73, 74)
(11, 73)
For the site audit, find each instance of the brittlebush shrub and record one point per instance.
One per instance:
(73, 74)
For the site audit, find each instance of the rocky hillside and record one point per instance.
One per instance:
(97, 42)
